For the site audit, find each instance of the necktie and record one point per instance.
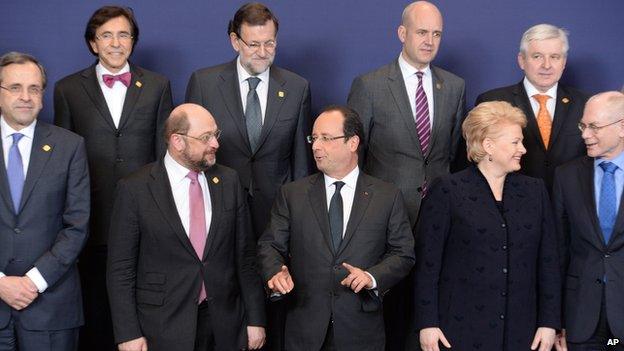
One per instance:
(15, 172)
(197, 227)
(335, 216)
(110, 79)
(607, 210)
(423, 125)
(253, 114)
(544, 122)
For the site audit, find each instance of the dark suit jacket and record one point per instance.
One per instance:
(481, 276)
(113, 153)
(586, 258)
(391, 146)
(154, 275)
(49, 230)
(378, 239)
(565, 139)
(282, 155)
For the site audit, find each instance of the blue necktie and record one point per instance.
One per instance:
(336, 215)
(607, 211)
(15, 172)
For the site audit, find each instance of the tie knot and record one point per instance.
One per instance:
(541, 99)
(192, 175)
(253, 82)
(339, 185)
(419, 74)
(608, 167)
(16, 137)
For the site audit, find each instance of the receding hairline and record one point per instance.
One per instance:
(414, 6)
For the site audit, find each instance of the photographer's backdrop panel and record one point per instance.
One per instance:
(329, 42)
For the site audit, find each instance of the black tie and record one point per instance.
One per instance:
(335, 216)
(253, 114)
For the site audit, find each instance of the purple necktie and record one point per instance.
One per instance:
(15, 172)
(423, 125)
(197, 227)
(110, 79)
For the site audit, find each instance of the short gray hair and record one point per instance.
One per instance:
(544, 32)
(19, 58)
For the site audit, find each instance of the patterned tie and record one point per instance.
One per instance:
(607, 210)
(15, 172)
(124, 78)
(423, 125)
(253, 113)
(335, 216)
(544, 122)
(197, 227)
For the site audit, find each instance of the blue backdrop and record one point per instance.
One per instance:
(329, 42)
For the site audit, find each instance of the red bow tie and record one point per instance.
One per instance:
(110, 79)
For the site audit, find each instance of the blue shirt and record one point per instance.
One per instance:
(619, 178)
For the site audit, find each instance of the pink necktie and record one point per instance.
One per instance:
(197, 227)
(423, 126)
(110, 79)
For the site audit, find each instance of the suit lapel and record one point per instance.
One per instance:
(318, 201)
(5, 191)
(439, 103)
(521, 100)
(361, 200)
(275, 99)
(399, 93)
(216, 200)
(586, 179)
(42, 148)
(230, 93)
(132, 95)
(161, 191)
(561, 112)
(92, 87)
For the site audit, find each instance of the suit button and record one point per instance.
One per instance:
(119, 159)
(546, 163)
(505, 270)
(17, 231)
(607, 255)
(503, 225)
(426, 162)
(118, 134)
(502, 316)
(504, 247)
(504, 293)
(11, 260)
(598, 281)
(336, 268)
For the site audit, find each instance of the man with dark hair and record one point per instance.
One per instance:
(120, 109)
(264, 112)
(44, 190)
(182, 258)
(336, 242)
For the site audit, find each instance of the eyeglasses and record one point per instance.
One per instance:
(325, 139)
(205, 139)
(108, 36)
(269, 45)
(18, 89)
(594, 128)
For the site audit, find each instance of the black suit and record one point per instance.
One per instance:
(154, 274)
(586, 258)
(378, 239)
(565, 138)
(113, 153)
(282, 154)
(487, 280)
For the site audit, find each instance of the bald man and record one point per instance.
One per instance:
(412, 113)
(182, 261)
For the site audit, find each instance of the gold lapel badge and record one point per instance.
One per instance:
(280, 94)
(565, 100)
(46, 148)
(215, 180)
(438, 86)
(366, 193)
(138, 84)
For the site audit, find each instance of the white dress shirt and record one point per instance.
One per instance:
(262, 89)
(180, 183)
(550, 103)
(411, 85)
(24, 146)
(114, 96)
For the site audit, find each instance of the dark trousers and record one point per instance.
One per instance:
(599, 341)
(204, 337)
(397, 306)
(97, 332)
(15, 338)
(328, 343)
(276, 324)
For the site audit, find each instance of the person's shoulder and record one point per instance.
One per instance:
(288, 75)
(447, 76)
(574, 92)
(380, 72)
(574, 164)
(212, 71)
(147, 74)
(74, 77)
(382, 185)
(66, 136)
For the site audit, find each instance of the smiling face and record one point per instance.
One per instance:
(21, 109)
(255, 60)
(421, 34)
(543, 63)
(505, 148)
(113, 43)
(608, 141)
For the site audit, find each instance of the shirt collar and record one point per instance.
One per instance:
(618, 161)
(6, 130)
(243, 74)
(532, 90)
(408, 70)
(350, 179)
(176, 172)
(100, 70)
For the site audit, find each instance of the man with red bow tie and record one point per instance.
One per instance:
(120, 110)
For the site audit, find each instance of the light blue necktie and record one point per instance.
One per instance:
(15, 172)
(607, 211)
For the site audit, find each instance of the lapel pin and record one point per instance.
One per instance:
(565, 100)
(215, 180)
(46, 148)
(138, 84)
(366, 193)
(280, 94)
(438, 86)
